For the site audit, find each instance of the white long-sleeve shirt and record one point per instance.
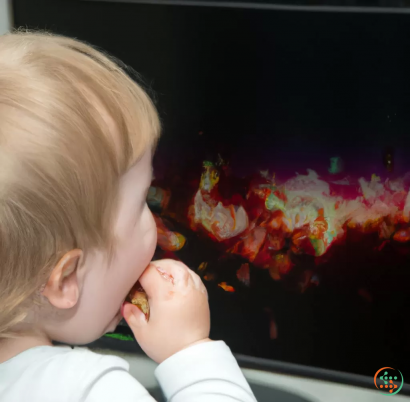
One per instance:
(207, 372)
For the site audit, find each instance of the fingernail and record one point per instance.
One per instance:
(132, 314)
(146, 316)
(168, 277)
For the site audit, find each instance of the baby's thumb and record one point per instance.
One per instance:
(133, 315)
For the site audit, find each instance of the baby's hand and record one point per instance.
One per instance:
(179, 310)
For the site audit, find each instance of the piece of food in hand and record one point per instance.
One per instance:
(139, 298)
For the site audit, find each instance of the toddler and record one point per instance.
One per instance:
(76, 142)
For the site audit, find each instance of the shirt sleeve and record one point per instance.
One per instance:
(207, 372)
(118, 385)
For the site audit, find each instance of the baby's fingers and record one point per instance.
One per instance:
(198, 282)
(156, 281)
(162, 275)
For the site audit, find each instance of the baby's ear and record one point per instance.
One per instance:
(62, 287)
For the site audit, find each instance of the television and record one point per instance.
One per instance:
(283, 173)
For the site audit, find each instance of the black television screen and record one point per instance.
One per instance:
(283, 172)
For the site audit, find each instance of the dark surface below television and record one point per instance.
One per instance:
(282, 175)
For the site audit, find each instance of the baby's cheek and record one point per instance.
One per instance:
(150, 238)
(144, 240)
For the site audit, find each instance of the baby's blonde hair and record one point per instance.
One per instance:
(60, 159)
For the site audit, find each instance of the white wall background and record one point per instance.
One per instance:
(5, 16)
